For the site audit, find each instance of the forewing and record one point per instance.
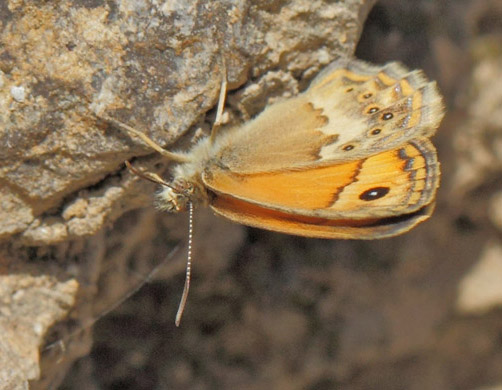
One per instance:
(387, 184)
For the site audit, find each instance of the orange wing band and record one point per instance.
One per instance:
(335, 191)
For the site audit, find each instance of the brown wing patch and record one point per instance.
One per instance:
(283, 135)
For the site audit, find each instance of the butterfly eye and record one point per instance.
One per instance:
(375, 131)
(387, 116)
(374, 193)
(348, 147)
(372, 110)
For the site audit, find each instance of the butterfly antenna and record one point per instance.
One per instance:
(176, 157)
(188, 273)
(150, 176)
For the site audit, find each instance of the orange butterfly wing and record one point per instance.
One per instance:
(382, 195)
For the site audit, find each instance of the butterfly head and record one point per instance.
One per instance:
(177, 196)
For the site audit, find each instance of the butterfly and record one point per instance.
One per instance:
(349, 158)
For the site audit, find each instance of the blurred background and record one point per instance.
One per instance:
(271, 311)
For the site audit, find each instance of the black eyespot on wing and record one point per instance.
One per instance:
(387, 116)
(374, 193)
(349, 89)
(367, 95)
(348, 147)
(372, 110)
(375, 131)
